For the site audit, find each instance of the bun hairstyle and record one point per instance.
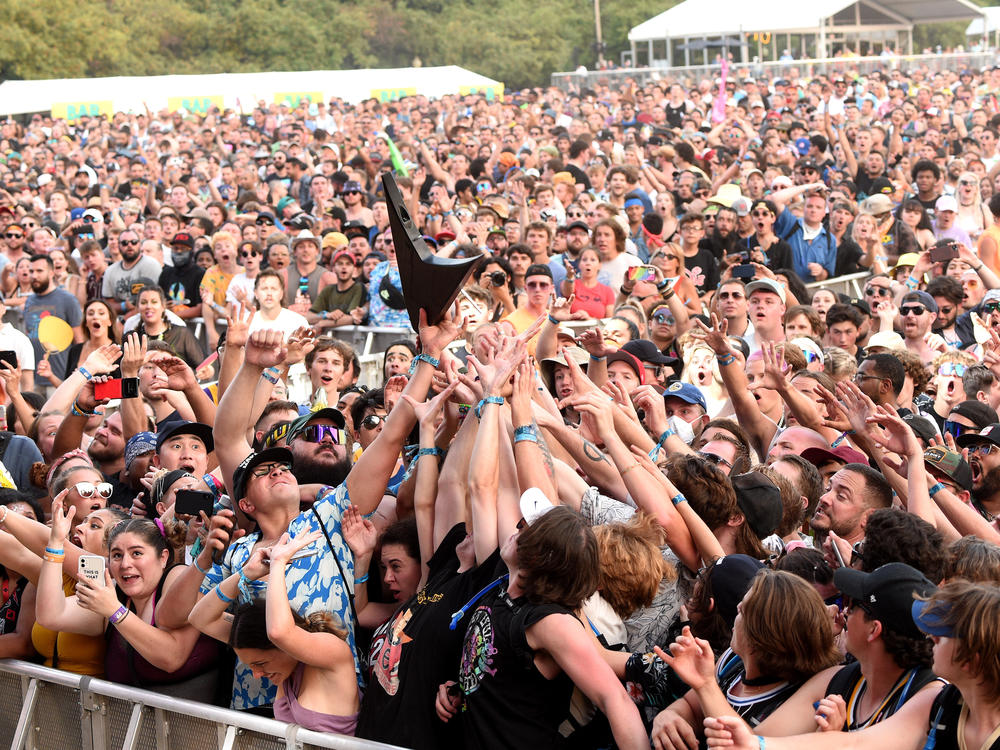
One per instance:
(169, 536)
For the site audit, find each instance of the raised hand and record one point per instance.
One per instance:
(11, 377)
(238, 325)
(621, 398)
(593, 342)
(392, 390)
(715, 336)
(895, 436)
(179, 375)
(62, 518)
(133, 355)
(300, 343)
(775, 368)
(286, 547)
(435, 339)
(427, 412)
(265, 349)
(595, 407)
(102, 360)
(359, 533)
(691, 658)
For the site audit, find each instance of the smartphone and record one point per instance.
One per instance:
(91, 568)
(130, 388)
(939, 253)
(192, 502)
(109, 389)
(744, 271)
(642, 273)
(10, 357)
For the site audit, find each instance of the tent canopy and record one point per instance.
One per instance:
(71, 97)
(991, 17)
(696, 18)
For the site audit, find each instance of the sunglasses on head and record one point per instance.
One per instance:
(315, 433)
(877, 291)
(811, 357)
(912, 310)
(951, 368)
(86, 490)
(714, 459)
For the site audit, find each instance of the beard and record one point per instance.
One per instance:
(309, 470)
(102, 453)
(989, 485)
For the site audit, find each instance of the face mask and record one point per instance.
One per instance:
(684, 431)
(181, 259)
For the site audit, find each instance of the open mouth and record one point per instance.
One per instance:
(130, 578)
(75, 539)
(977, 470)
(189, 468)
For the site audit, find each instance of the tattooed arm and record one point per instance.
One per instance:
(600, 471)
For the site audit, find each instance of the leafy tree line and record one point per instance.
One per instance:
(519, 42)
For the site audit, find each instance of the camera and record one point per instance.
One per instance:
(498, 278)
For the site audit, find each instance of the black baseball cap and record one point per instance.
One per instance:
(183, 427)
(645, 351)
(990, 435)
(760, 500)
(886, 594)
(979, 413)
(730, 578)
(242, 473)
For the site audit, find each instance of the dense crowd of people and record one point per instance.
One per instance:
(657, 477)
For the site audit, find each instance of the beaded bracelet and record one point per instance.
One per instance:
(223, 597)
(483, 402)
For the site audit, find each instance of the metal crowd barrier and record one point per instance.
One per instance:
(48, 709)
(852, 285)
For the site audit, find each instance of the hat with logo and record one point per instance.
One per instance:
(951, 464)
(990, 435)
(686, 392)
(183, 238)
(886, 594)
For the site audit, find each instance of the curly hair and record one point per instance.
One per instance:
(705, 486)
(973, 559)
(632, 566)
(915, 368)
(893, 535)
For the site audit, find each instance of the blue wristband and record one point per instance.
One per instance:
(433, 362)
(223, 597)
(678, 499)
(483, 402)
(932, 492)
(86, 373)
(430, 452)
(526, 433)
(553, 321)
(362, 579)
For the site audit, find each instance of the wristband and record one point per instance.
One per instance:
(678, 499)
(629, 468)
(76, 411)
(120, 614)
(51, 550)
(912, 283)
(486, 401)
(53, 558)
(761, 743)
(725, 359)
(86, 373)
(430, 452)
(324, 314)
(362, 579)
(269, 376)
(244, 587)
(526, 433)
(597, 359)
(223, 597)
(935, 489)
(194, 561)
(447, 213)
(659, 443)
(552, 320)
(463, 409)
(432, 361)
(979, 267)
(123, 308)
(662, 286)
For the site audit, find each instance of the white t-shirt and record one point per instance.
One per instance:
(613, 272)
(13, 340)
(286, 322)
(240, 281)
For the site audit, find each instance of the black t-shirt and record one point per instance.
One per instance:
(849, 253)
(10, 607)
(181, 285)
(414, 652)
(579, 176)
(703, 269)
(863, 181)
(508, 702)
(675, 115)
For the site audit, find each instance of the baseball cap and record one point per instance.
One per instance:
(686, 392)
(886, 340)
(843, 453)
(183, 238)
(534, 504)
(631, 360)
(951, 464)
(93, 214)
(578, 225)
(760, 500)
(352, 186)
(547, 366)
(242, 473)
(887, 593)
(646, 351)
(730, 578)
(343, 254)
(906, 259)
(922, 298)
(925, 429)
(184, 427)
(876, 204)
(334, 239)
(990, 435)
(946, 203)
(932, 619)
(766, 285)
(981, 414)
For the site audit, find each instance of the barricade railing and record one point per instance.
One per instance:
(852, 285)
(48, 709)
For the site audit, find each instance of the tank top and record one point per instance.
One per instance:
(296, 282)
(80, 654)
(10, 608)
(287, 708)
(850, 684)
(123, 664)
(993, 232)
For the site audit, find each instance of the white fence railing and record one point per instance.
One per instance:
(48, 709)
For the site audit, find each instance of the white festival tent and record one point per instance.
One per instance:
(824, 23)
(71, 97)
